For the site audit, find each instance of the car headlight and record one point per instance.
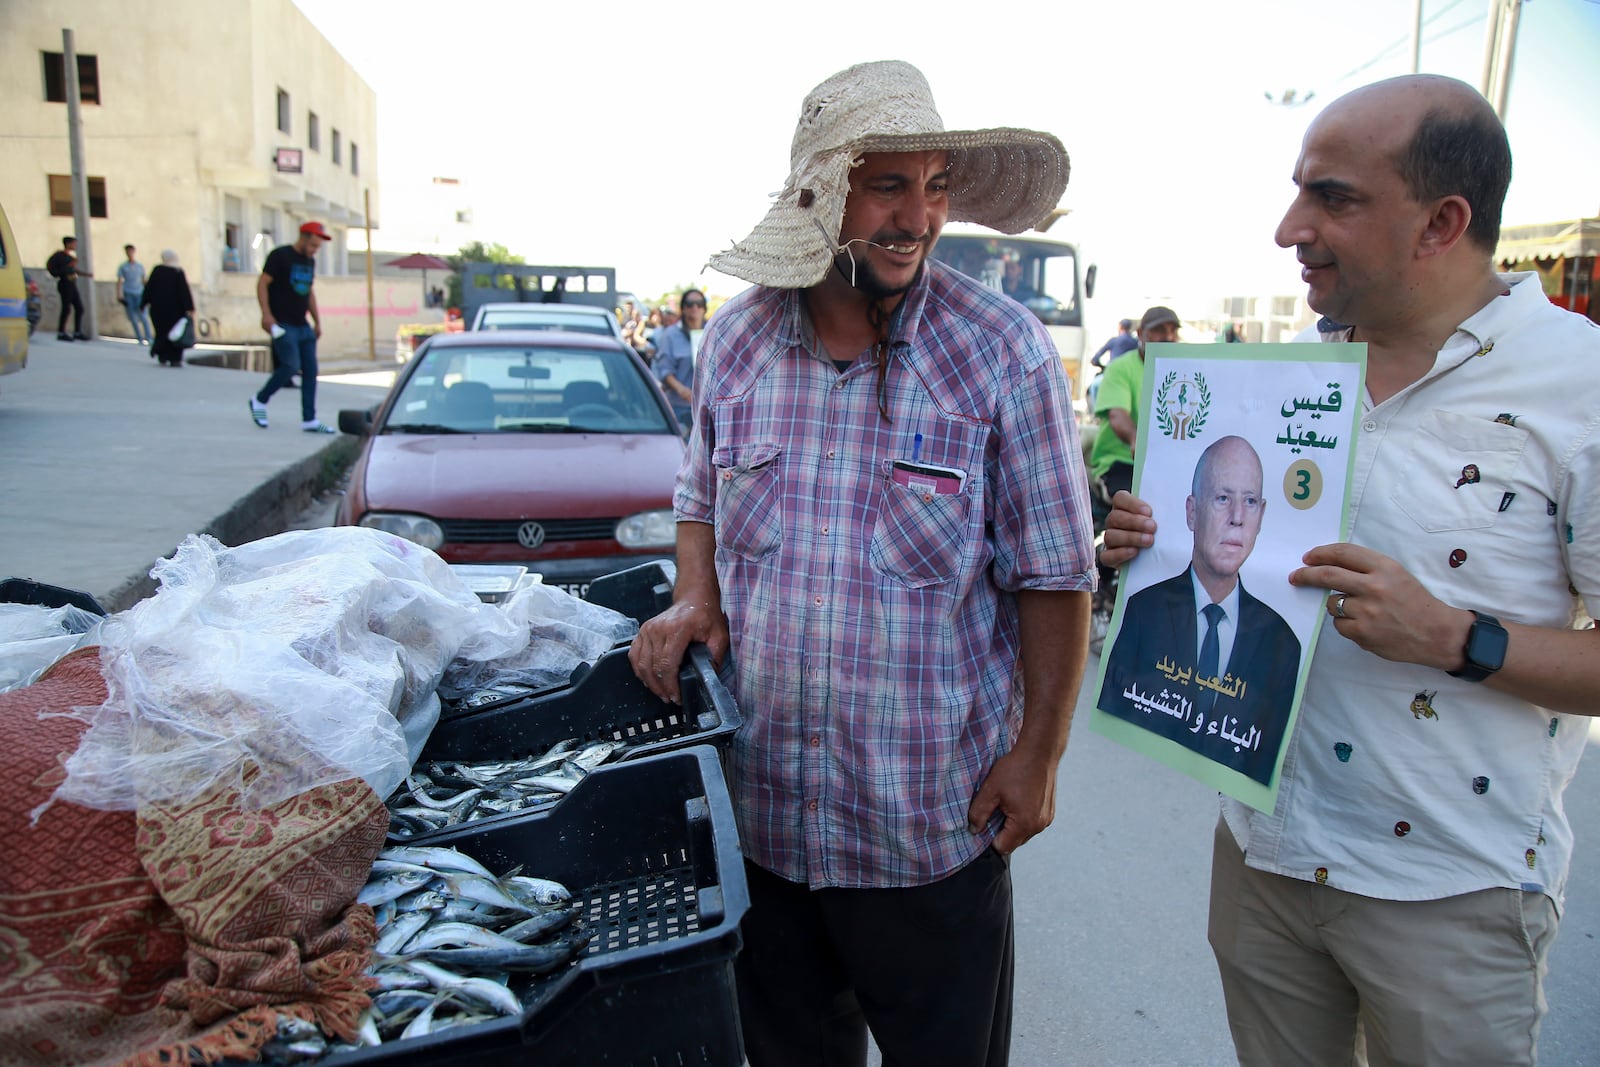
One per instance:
(423, 531)
(648, 529)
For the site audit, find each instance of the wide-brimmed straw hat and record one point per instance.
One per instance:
(1006, 179)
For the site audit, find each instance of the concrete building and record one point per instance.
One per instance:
(211, 127)
(1269, 318)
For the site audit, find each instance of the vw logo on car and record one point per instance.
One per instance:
(530, 535)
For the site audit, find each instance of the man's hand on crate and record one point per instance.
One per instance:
(658, 651)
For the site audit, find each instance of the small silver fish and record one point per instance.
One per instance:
(391, 886)
(443, 860)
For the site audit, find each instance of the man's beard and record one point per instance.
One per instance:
(860, 274)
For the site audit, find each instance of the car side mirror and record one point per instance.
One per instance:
(1088, 280)
(356, 423)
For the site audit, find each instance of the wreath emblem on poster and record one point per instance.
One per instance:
(1182, 404)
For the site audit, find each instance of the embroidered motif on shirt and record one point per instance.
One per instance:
(1342, 749)
(1554, 722)
(1470, 475)
(1532, 857)
(1422, 705)
(1506, 499)
(1480, 785)
(1458, 556)
(1507, 418)
(1322, 876)
(1402, 828)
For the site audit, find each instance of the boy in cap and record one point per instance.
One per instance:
(285, 294)
(884, 517)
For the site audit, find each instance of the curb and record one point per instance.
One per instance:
(269, 509)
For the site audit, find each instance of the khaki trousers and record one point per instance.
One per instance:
(1311, 974)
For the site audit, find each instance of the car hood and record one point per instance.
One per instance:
(511, 475)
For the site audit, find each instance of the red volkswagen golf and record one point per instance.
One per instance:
(552, 450)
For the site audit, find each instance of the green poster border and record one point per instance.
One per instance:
(1165, 750)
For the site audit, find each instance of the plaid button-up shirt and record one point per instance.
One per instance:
(874, 624)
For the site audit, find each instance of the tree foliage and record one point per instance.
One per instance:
(475, 252)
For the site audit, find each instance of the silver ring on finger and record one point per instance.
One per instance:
(1338, 606)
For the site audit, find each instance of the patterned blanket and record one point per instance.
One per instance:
(171, 935)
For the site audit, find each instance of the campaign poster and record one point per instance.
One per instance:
(1244, 454)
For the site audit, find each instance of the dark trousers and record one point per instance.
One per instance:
(928, 968)
(1119, 476)
(70, 301)
(295, 353)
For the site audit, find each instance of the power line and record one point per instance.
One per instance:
(1384, 54)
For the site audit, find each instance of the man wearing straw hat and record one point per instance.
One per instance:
(883, 517)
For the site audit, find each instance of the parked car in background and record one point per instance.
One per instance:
(578, 318)
(16, 301)
(549, 449)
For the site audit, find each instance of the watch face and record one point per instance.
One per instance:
(1486, 645)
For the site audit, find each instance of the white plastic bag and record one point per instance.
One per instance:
(34, 637)
(563, 632)
(287, 663)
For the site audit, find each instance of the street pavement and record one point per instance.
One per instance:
(111, 460)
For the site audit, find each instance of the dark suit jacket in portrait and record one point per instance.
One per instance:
(1150, 678)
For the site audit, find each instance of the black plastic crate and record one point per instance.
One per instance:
(606, 703)
(28, 591)
(650, 851)
(641, 592)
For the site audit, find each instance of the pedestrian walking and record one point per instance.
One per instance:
(1406, 892)
(286, 295)
(170, 303)
(883, 518)
(63, 267)
(676, 347)
(130, 294)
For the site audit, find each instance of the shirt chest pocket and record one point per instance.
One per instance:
(1460, 469)
(747, 515)
(920, 536)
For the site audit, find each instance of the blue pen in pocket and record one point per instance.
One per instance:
(916, 449)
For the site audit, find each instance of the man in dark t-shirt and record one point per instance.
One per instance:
(285, 294)
(63, 267)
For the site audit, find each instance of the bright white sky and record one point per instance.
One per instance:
(647, 136)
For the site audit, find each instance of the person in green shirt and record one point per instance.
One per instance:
(1117, 404)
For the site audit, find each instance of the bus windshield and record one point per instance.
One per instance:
(1040, 274)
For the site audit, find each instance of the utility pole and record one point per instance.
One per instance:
(80, 181)
(1500, 52)
(1416, 39)
(366, 221)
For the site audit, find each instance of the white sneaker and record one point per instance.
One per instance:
(258, 412)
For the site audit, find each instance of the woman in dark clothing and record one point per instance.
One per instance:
(167, 296)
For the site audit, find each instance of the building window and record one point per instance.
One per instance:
(313, 132)
(55, 85)
(338, 147)
(283, 111)
(355, 158)
(61, 196)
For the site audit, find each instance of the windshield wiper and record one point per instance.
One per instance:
(423, 427)
(543, 427)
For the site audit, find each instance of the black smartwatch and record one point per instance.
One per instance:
(1486, 648)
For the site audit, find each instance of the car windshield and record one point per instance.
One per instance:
(1041, 274)
(513, 320)
(526, 389)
